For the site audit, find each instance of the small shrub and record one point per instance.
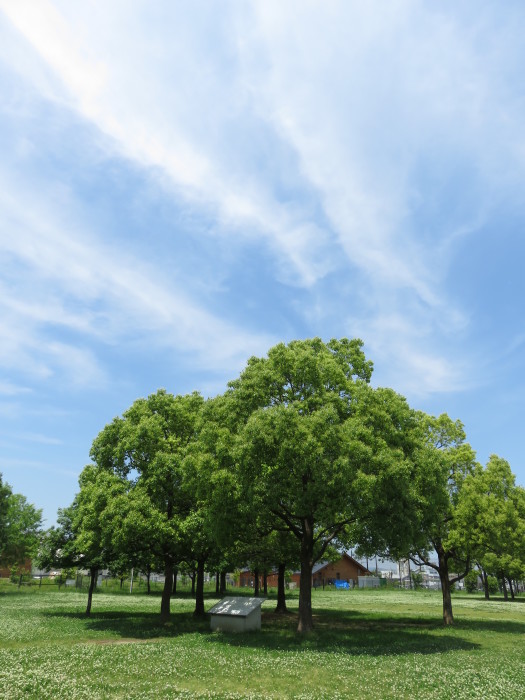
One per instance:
(471, 582)
(493, 585)
(417, 579)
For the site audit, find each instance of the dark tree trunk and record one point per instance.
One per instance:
(193, 576)
(223, 583)
(148, 581)
(504, 586)
(121, 582)
(175, 576)
(217, 583)
(305, 623)
(92, 583)
(199, 596)
(448, 617)
(281, 590)
(166, 594)
(265, 583)
(511, 588)
(485, 580)
(256, 583)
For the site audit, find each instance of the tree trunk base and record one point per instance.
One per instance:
(305, 627)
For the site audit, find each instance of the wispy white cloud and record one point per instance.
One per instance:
(8, 388)
(23, 437)
(363, 108)
(67, 279)
(30, 464)
(338, 134)
(41, 439)
(141, 99)
(404, 357)
(403, 128)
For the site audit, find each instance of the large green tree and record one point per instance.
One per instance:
(20, 527)
(92, 526)
(147, 446)
(5, 493)
(82, 537)
(439, 541)
(322, 452)
(132, 530)
(214, 522)
(491, 509)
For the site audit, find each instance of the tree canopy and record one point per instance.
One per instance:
(491, 510)
(322, 452)
(147, 446)
(436, 527)
(20, 527)
(301, 455)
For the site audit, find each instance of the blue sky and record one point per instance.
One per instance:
(185, 184)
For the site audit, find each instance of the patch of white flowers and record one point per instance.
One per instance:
(49, 650)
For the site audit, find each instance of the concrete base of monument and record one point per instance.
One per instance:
(236, 615)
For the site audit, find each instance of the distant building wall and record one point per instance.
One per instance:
(344, 569)
(5, 571)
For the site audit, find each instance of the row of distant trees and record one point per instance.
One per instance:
(20, 528)
(299, 457)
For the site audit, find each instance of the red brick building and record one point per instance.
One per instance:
(5, 571)
(344, 569)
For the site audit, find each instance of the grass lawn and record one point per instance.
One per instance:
(367, 644)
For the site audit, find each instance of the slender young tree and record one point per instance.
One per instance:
(57, 548)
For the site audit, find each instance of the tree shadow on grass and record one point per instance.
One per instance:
(384, 621)
(137, 625)
(335, 631)
(499, 598)
(351, 632)
(498, 626)
(357, 634)
(353, 635)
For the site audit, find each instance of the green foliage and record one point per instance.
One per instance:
(324, 455)
(157, 511)
(471, 581)
(446, 463)
(20, 526)
(18, 575)
(57, 544)
(299, 458)
(417, 579)
(493, 584)
(492, 511)
(5, 494)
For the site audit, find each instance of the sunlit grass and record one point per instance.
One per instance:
(374, 644)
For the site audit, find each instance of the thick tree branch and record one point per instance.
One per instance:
(423, 561)
(287, 519)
